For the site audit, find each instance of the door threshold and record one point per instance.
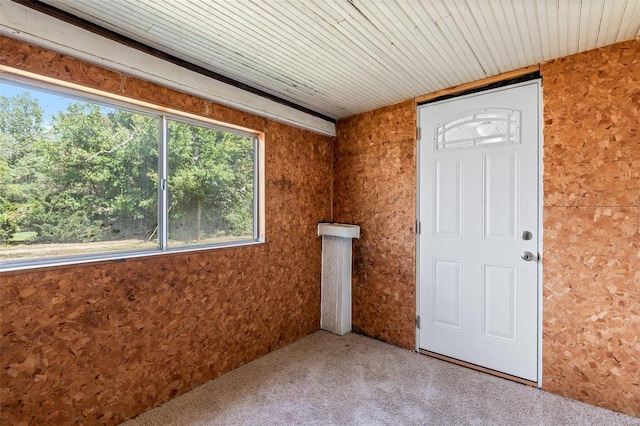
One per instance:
(479, 368)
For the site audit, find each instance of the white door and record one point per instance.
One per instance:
(478, 208)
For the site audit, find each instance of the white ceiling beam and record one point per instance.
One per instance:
(37, 28)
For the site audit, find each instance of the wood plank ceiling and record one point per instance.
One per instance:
(342, 57)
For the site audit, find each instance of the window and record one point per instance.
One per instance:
(211, 185)
(85, 179)
(478, 128)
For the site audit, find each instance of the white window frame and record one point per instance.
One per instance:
(163, 114)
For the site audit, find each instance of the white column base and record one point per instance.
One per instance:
(335, 315)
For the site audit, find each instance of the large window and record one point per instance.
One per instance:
(86, 179)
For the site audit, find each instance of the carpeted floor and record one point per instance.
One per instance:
(325, 379)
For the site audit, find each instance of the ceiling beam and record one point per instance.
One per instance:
(37, 23)
(478, 83)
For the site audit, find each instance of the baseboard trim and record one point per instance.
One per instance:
(478, 368)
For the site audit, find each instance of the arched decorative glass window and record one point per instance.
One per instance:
(482, 127)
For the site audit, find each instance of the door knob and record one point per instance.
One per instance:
(527, 256)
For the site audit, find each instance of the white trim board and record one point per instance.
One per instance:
(28, 25)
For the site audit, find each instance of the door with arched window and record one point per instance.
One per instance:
(480, 233)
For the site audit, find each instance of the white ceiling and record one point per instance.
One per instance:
(342, 57)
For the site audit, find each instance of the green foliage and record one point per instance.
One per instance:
(92, 175)
(21, 134)
(20, 126)
(104, 164)
(210, 182)
(8, 221)
(21, 237)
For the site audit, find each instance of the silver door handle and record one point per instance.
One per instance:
(527, 256)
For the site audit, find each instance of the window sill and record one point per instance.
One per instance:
(37, 265)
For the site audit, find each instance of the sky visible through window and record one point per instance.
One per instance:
(51, 104)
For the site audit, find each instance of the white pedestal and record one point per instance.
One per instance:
(335, 304)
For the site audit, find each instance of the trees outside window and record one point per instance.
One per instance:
(79, 177)
(210, 181)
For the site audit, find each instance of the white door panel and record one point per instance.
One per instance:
(447, 293)
(500, 182)
(448, 196)
(500, 302)
(478, 192)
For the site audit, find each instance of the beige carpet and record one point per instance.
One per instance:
(325, 379)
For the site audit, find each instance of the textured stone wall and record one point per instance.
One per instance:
(591, 319)
(375, 187)
(97, 344)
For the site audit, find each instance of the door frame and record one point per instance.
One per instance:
(538, 83)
